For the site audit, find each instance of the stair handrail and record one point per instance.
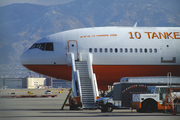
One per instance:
(91, 75)
(75, 75)
(79, 84)
(95, 84)
(74, 92)
(169, 79)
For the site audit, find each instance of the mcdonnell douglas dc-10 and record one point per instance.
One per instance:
(116, 52)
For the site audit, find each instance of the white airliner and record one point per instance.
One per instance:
(117, 52)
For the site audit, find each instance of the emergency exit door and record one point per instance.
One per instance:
(168, 53)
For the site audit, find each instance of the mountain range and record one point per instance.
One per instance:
(23, 24)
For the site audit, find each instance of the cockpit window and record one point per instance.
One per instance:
(43, 46)
(49, 47)
(33, 46)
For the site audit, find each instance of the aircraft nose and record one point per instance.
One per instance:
(24, 59)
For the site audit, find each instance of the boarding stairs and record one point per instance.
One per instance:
(84, 80)
(86, 85)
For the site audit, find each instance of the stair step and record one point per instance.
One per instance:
(89, 104)
(85, 79)
(83, 75)
(85, 87)
(86, 101)
(82, 62)
(87, 93)
(87, 90)
(88, 97)
(81, 68)
(86, 83)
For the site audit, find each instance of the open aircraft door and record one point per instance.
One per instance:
(73, 48)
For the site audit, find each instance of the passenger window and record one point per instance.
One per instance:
(150, 50)
(131, 50)
(136, 50)
(100, 49)
(106, 50)
(145, 50)
(90, 50)
(95, 49)
(140, 50)
(126, 50)
(49, 47)
(155, 50)
(111, 50)
(121, 50)
(116, 50)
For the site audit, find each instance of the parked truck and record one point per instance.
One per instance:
(121, 95)
(157, 98)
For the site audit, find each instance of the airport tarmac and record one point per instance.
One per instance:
(49, 108)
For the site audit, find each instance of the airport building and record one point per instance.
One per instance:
(36, 83)
(33, 83)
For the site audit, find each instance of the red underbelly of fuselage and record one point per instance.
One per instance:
(107, 74)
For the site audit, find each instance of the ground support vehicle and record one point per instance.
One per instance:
(29, 93)
(121, 95)
(156, 98)
(47, 92)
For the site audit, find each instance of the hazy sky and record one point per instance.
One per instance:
(40, 2)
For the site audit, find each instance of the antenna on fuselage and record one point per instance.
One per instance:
(135, 25)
